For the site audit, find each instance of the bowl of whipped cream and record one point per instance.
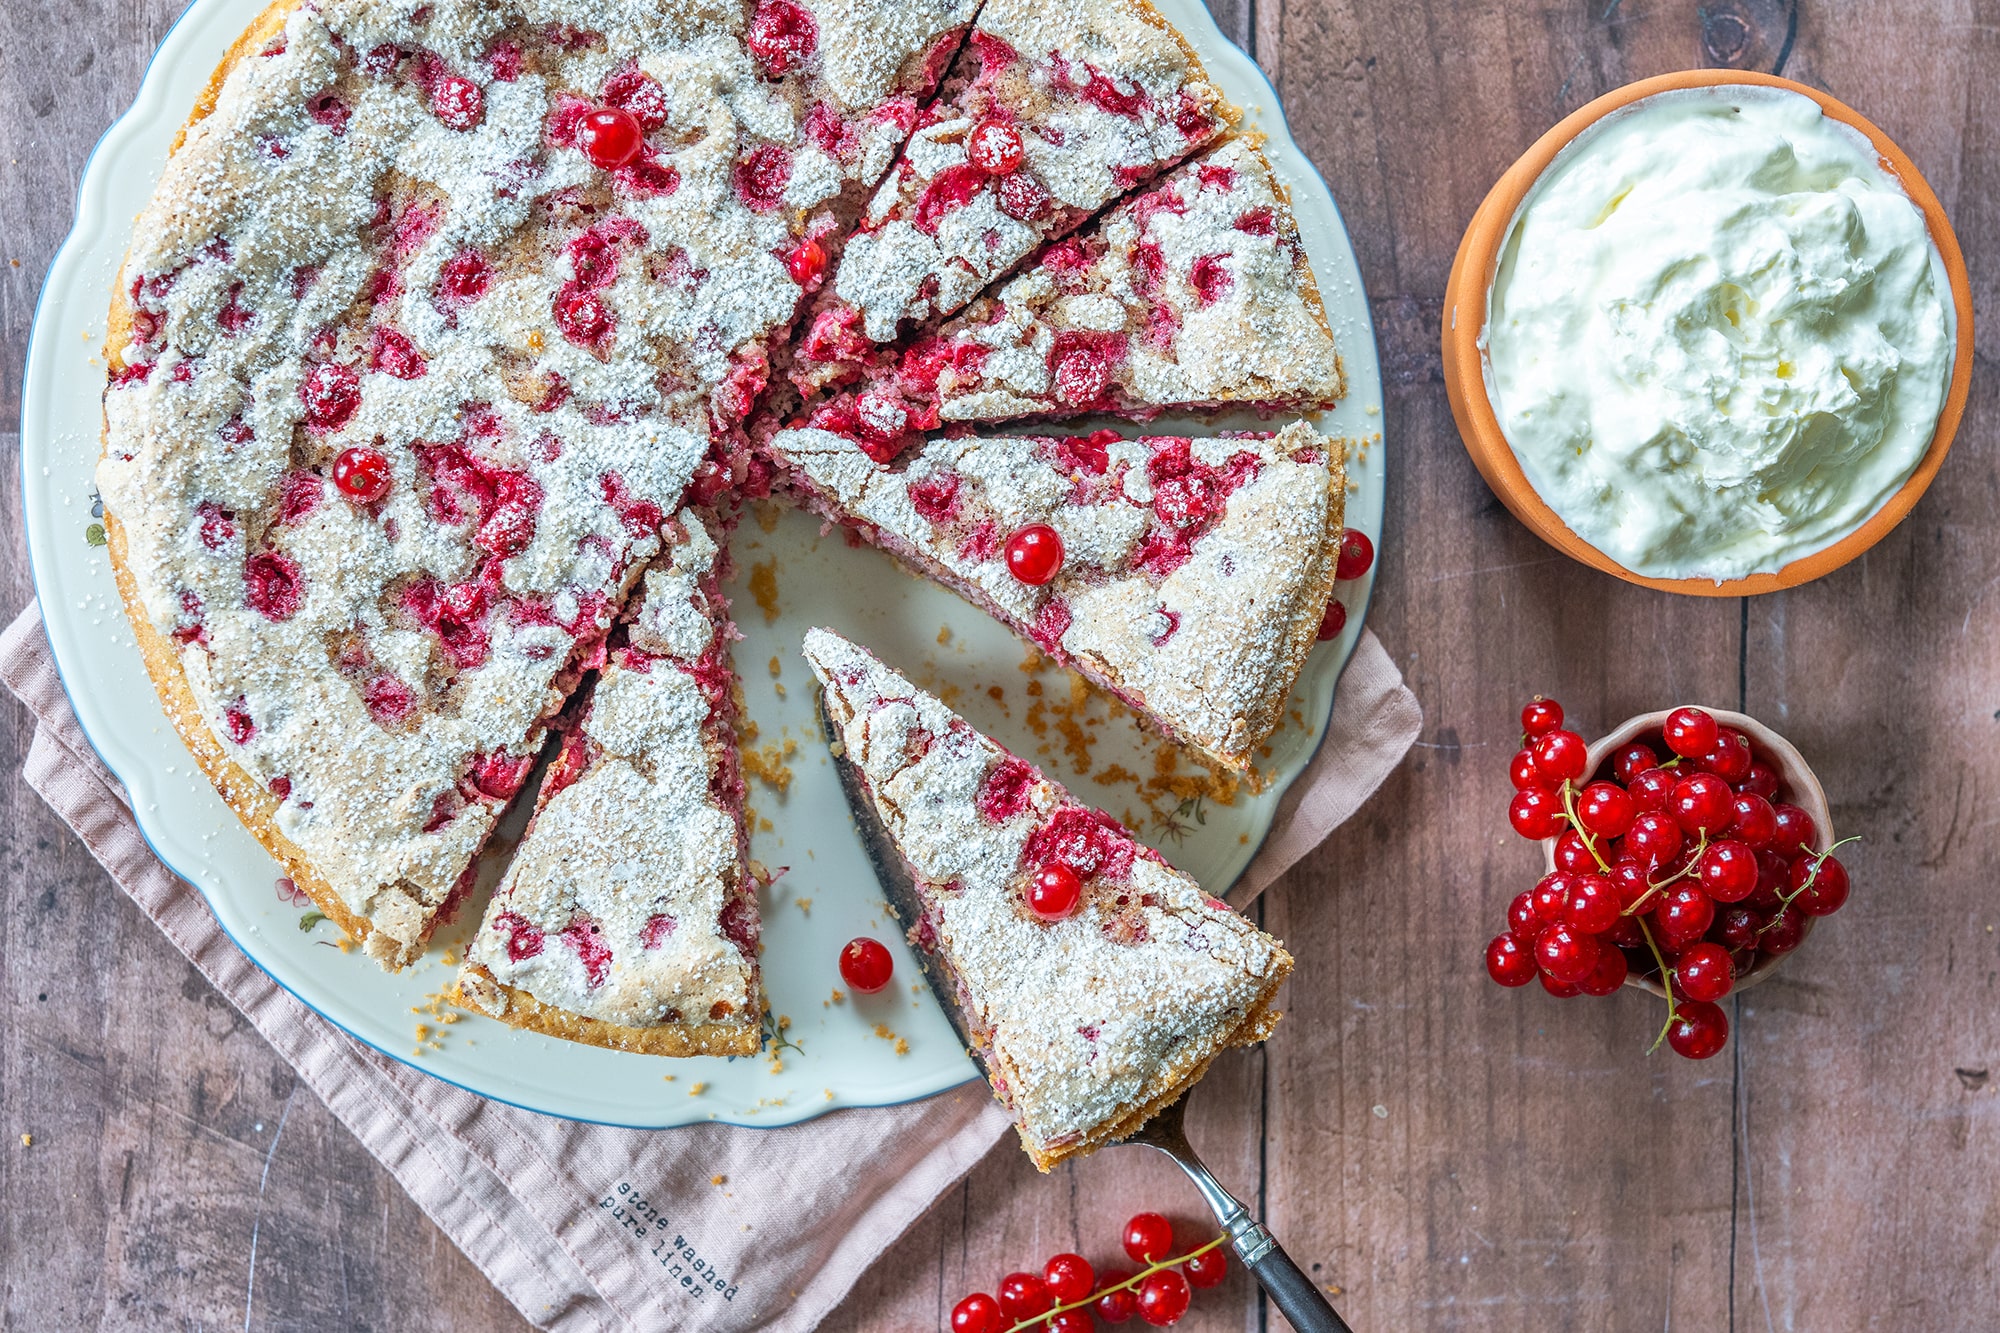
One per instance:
(1711, 334)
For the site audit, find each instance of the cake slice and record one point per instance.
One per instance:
(1193, 573)
(628, 917)
(1099, 1009)
(1051, 112)
(1195, 296)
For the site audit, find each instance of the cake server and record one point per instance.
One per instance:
(1297, 1297)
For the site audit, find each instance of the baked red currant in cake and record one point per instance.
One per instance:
(1186, 576)
(1051, 112)
(628, 916)
(1097, 981)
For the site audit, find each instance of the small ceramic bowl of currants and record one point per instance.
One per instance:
(1688, 851)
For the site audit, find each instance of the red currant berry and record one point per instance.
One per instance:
(1023, 1295)
(1631, 883)
(1562, 990)
(1783, 932)
(1730, 759)
(1573, 853)
(1737, 929)
(362, 474)
(1700, 803)
(1566, 954)
(1551, 897)
(1705, 972)
(1523, 773)
(458, 102)
(1689, 732)
(1606, 809)
(1207, 1269)
(1536, 814)
(1821, 885)
(1633, 760)
(1164, 1297)
(1356, 554)
(610, 137)
(1149, 1238)
(865, 965)
(1333, 622)
(782, 36)
(995, 147)
(1752, 821)
(1699, 1029)
(1521, 918)
(1054, 892)
(1593, 904)
(977, 1313)
(1540, 717)
(806, 261)
(1509, 961)
(1034, 554)
(1651, 787)
(1070, 1321)
(1795, 831)
(1655, 838)
(1070, 1278)
(1625, 933)
(1115, 1307)
(1728, 871)
(1762, 780)
(1561, 754)
(1773, 873)
(1607, 976)
(1685, 916)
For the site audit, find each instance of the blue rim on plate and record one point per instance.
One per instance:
(94, 230)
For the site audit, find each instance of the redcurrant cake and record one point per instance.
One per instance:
(453, 337)
(1185, 576)
(1051, 112)
(435, 313)
(1097, 981)
(628, 917)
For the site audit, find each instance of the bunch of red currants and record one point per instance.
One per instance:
(1685, 868)
(1062, 1298)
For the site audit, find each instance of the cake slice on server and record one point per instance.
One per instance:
(1051, 112)
(1095, 981)
(1186, 576)
(628, 917)
(1194, 296)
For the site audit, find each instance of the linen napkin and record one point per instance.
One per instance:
(587, 1227)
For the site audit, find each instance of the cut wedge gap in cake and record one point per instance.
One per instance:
(1195, 296)
(1193, 572)
(1051, 113)
(628, 917)
(1088, 1024)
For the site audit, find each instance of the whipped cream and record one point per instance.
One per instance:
(1718, 338)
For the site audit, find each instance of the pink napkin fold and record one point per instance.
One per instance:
(589, 1227)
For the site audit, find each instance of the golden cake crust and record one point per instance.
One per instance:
(478, 990)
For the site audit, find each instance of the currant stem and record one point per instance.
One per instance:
(1693, 865)
(1569, 811)
(1818, 859)
(1666, 980)
(1131, 1283)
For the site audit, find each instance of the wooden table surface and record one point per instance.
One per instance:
(1447, 1154)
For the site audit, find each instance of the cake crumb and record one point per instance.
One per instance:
(944, 635)
(697, 1089)
(669, 1077)
(839, 995)
(829, 1093)
(718, 1180)
(764, 588)
(805, 906)
(766, 515)
(777, 667)
(28, 1140)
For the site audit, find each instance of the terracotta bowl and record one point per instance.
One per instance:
(1795, 780)
(1465, 321)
